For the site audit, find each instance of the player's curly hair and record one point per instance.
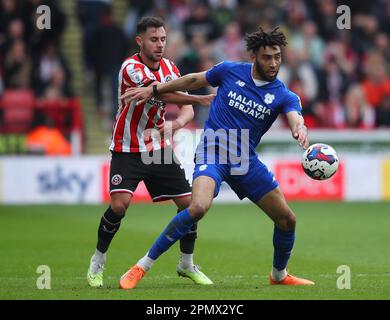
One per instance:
(260, 38)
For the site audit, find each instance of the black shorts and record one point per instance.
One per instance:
(164, 181)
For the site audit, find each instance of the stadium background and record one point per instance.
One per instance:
(56, 111)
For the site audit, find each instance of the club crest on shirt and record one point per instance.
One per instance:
(269, 98)
(136, 75)
(168, 78)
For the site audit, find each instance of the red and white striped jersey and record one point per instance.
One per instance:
(133, 124)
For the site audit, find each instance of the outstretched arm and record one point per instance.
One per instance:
(298, 128)
(188, 82)
(181, 98)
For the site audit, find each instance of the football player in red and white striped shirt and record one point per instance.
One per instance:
(132, 121)
(133, 136)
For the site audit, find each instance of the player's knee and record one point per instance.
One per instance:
(288, 221)
(198, 209)
(119, 207)
(291, 221)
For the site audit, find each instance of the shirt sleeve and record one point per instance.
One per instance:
(292, 102)
(215, 75)
(137, 75)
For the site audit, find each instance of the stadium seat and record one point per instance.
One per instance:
(18, 110)
(58, 112)
(64, 114)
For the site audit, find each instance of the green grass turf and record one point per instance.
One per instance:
(234, 248)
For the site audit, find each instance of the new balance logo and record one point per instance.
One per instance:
(240, 83)
(169, 238)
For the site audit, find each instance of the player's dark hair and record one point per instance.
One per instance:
(149, 22)
(260, 38)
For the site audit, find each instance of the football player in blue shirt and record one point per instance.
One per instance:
(248, 100)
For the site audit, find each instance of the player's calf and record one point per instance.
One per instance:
(108, 227)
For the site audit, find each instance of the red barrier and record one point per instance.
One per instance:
(296, 185)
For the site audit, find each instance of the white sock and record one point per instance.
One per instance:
(99, 256)
(186, 260)
(146, 263)
(278, 275)
(98, 259)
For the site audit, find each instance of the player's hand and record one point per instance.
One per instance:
(206, 100)
(300, 134)
(141, 94)
(167, 128)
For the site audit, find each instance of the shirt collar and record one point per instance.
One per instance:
(258, 83)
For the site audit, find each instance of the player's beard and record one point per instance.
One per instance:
(262, 74)
(151, 56)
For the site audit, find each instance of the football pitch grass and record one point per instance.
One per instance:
(234, 248)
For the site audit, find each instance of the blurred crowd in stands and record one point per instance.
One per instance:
(30, 57)
(342, 76)
(35, 91)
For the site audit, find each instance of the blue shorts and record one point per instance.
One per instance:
(254, 184)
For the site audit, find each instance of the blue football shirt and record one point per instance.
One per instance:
(241, 103)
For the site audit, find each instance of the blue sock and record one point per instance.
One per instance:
(283, 244)
(176, 229)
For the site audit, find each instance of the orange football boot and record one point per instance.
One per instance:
(291, 281)
(130, 279)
